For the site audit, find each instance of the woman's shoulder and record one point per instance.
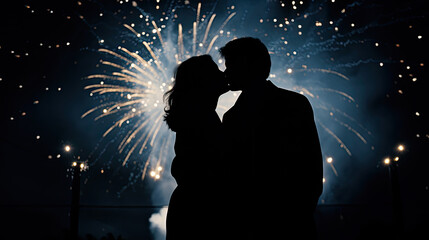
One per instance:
(197, 121)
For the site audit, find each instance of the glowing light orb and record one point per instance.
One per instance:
(386, 161)
(67, 148)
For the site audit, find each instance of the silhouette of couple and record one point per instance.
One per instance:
(255, 175)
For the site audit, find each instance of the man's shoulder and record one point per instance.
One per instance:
(286, 95)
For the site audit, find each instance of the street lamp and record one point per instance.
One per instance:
(396, 195)
(77, 167)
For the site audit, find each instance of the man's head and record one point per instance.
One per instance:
(247, 61)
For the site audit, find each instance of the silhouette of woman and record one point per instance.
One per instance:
(190, 112)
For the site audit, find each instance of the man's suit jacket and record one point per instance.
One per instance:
(273, 163)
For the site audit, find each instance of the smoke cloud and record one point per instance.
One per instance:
(158, 224)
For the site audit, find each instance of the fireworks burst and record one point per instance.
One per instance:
(133, 91)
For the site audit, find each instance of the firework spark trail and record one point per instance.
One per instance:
(334, 169)
(209, 25)
(351, 129)
(337, 92)
(351, 119)
(322, 106)
(324, 71)
(342, 145)
(180, 45)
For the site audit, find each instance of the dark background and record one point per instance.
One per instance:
(41, 94)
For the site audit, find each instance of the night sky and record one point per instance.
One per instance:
(360, 63)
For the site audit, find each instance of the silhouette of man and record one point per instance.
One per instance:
(272, 151)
